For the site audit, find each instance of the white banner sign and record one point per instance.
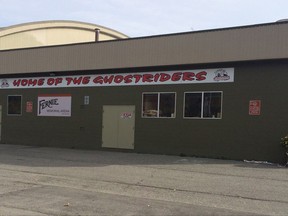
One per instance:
(54, 105)
(222, 75)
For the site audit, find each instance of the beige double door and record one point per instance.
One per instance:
(118, 127)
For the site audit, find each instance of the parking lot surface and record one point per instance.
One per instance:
(38, 181)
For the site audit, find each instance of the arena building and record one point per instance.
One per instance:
(49, 33)
(219, 93)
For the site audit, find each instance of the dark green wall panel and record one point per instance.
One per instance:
(236, 136)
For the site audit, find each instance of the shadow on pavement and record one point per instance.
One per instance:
(54, 157)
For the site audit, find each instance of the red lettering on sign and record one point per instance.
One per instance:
(108, 79)
(156, 77)
(16, 82)
(24, 82)
(32, 82)
(147, 78)
(98, 79)
(58, 81)
(118, 78)
(75, 81)
(28, 82)
(188, 76)
(41, 82)
(69, 80)
(86, 80)
(128, 79)
(101, 79)
(137, 78)
(201, 76)
(176, 76)
(50, 81)
(164, 77)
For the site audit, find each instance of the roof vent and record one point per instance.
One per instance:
(97, 34)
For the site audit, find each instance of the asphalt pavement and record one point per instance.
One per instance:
(40, 181)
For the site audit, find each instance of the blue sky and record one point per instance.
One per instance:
(146, 17)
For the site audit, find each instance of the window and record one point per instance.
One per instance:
(203, 105)
(14, 105)
(158, 105)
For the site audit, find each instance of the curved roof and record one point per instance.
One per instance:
(47, 33)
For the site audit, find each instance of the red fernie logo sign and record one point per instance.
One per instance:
(54, 105)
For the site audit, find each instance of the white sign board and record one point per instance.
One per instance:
(54, 105)
(220, 75)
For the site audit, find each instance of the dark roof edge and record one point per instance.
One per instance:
(213, 30)
(155, 36)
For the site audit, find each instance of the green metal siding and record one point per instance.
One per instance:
(236, 136)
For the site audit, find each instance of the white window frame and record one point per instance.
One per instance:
(158, 105)
(202, 105)
(8, 105)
